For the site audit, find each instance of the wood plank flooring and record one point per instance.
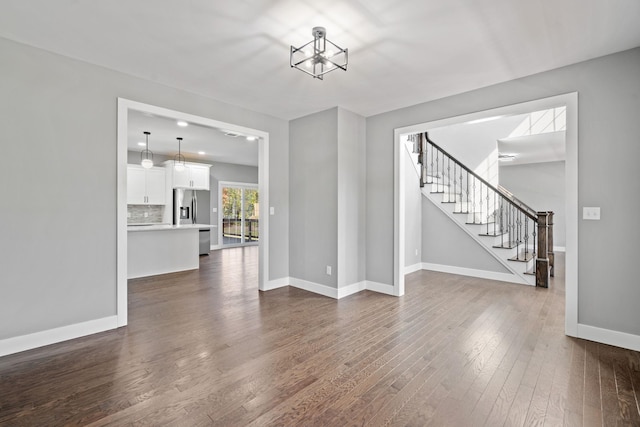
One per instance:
(206, 348)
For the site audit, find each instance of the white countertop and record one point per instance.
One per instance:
(165, 227)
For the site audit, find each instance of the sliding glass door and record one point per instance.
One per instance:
(240, 213)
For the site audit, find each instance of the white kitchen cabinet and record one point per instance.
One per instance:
(145, 186)
(195, 176)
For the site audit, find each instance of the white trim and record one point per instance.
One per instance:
(276, 283)
(559, 249)
(472, 272)
(413, 268)
(56, 335)
(121, 213)
(399, 216)
(316, 288)
(571, 187)
(215, 247)
(354, 288)
(335, 293)
(571, 215)
(608, 336)
(380, 288)
(124, 105)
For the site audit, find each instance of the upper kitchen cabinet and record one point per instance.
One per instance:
(195, 176)
(145, 186)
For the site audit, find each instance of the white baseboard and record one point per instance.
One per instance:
(354, 288)
(482, 274)
(316, 288)
(380, 288)
(607, 336)
(413, 268)
(52, 336)
(342, 292)
(559, 249)
(215, 247)
(276, 283)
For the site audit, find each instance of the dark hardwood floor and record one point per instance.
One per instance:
(206, 348)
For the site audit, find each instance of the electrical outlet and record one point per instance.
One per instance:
(328, 270)
(416, 252)
(591, 213)
(272, 210)
(146, 214)
(215, 210)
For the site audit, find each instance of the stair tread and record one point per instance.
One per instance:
(496, 234)
(507, 245)
(523, 257)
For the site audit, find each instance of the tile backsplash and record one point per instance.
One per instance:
(136, 214)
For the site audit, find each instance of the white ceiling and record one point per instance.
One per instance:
(401, 52)
(217, 146)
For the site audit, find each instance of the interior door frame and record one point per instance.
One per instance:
(570, 100)
(243, 185)
(124, 106)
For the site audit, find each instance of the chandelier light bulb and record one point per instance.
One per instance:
(147, 163)
(178, 166)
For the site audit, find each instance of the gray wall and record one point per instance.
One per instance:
(351, 198)
(541, 186)
(60, 130)
(327, 195)
(608, 152)
(233, 173)
(445, 243)
(313, 197)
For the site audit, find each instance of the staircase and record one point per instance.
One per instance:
(519, 237)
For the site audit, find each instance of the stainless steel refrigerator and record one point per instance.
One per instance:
(192, 207)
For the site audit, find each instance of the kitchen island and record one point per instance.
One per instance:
(162, 248)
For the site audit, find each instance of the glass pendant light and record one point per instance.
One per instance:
(147, 162)
(178, 160)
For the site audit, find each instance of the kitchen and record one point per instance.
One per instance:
(173, 171)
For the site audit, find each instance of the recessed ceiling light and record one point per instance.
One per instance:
(141, 144)
(251, 138)
(201, 152)
(183, 124)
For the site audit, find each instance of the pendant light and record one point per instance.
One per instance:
(147, 162)
(178, 159)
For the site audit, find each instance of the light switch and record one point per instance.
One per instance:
(591, 213)
(272, 210)
(215, 210)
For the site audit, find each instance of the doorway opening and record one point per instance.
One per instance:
(239, 219)
(570, 101)
(125, 108)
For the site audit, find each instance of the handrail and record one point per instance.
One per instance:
(531, 213)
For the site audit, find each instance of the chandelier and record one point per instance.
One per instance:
(319, 56)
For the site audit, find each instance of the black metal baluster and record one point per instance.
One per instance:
(467, 191)
(495, 213)
(449, 178)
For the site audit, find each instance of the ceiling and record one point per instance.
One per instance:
(199, 143)
(400, 52)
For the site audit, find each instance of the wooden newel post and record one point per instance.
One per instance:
(550, 253)
(542, 262)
